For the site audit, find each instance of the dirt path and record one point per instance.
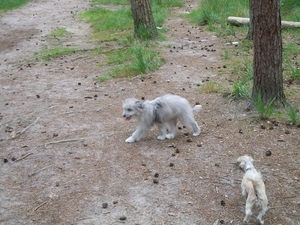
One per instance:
(63, 154)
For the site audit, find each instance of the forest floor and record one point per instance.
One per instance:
(63, 154)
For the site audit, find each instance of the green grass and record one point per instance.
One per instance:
(265, 111)
(59, 32)
(11, 4)
(137, 59)
(293, 115)
(50, 54)
(210, 87)
(110, 2)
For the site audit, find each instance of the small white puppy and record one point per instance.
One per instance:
(253, 186)
(162, 110)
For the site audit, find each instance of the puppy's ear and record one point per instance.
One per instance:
(139, 104)
(242, 164)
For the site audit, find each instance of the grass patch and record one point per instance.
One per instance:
(293, 115)
(11, 4)
(265, 111)
(50, 54)
(210, 87)
(138, 59)
(59, 32)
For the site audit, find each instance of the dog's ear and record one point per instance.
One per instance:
(139, 104)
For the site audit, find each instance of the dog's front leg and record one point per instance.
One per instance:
(137, 134)
(162, 131)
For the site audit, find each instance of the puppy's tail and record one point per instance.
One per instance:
(197, 108)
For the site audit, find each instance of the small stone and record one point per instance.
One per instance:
(217, 165)
(55, 134)
(177, 150)
(155, 181)
(38, 96)
(189, 140)
(156, 175)
(199, 145)
(5, 160)
(223, 203)
(268, 153)
(262, 126)
(13, 159)
(287, 132)
(240, 131)
(171, 164)
(115, 201)
(104, 205)
(222, 221)
(79, 83)
(56, 183)
(123, 218)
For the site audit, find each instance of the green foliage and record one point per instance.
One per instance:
(239, 91)
(11, 4)
(110, 2)
(107, 20)
(49, 54)
(293, 115)
(59, 32)
(167, 3)
(210, 87)
(265, 111)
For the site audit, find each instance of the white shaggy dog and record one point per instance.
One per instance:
(162, 110)
(253, 186)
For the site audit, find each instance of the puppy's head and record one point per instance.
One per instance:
(132, 106)
(243, 160)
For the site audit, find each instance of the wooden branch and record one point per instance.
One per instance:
(239, 21)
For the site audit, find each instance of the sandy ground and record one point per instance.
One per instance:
(63, 154)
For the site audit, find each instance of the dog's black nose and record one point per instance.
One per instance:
(124, 116)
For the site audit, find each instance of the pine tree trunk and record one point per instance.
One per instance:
(144, 26)
(268, 79)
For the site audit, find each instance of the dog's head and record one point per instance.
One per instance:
(243, 161)
(132, 106)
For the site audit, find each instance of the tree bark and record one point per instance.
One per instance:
(267, 42)
(144, 26)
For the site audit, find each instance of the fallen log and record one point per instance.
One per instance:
(240, 21)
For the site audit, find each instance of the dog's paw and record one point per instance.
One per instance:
(161, 138)
(130, 140)
(170, 136)
(196, 134)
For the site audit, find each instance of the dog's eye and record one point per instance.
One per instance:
(129, 110)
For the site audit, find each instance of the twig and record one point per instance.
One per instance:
(126, 203)
(30, 125)
(23, 157)
(63, 141)
(38, 171)
(39, 206)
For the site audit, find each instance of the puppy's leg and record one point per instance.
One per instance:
(189, 121)
(162, 131)
(264, 208)
(196, 129)
(249, 204)
(172, 126)
(141, 130)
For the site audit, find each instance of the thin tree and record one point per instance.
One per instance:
(144, 26)
(267, 41)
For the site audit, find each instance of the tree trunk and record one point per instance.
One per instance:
(268, 79)
(144, 26)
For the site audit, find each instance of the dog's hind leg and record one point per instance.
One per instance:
(172, 127)
(264, 206)
(189, 121)
(248, 209)
(162, 131)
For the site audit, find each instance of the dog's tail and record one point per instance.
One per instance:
(197, 108)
